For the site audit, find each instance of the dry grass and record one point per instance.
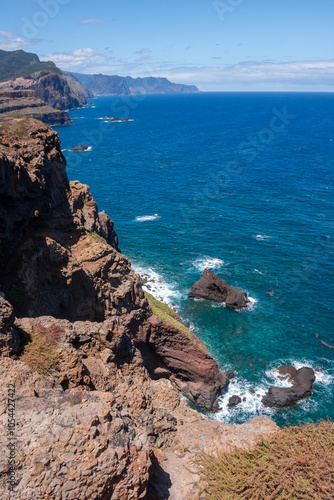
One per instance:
(296, 463)
(41, 353)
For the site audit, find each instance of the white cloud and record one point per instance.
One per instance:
(253, 75)
(88, 21)
(10, 41)
(75, 59)
(249, 75)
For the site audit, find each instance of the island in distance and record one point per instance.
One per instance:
(126, 85)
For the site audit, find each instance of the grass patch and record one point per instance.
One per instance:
(296, 463)
(168, 315)
(96, 237)
(41, 352)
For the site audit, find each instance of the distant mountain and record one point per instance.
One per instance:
(124, 85)
(21, 70)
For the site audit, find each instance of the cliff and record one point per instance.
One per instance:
(25, 103)
(97, 366)
(20, 70)
(124, 85)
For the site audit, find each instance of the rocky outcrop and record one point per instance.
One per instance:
(52, 87)
(301, 386)
(25, 103)
(210, 287)
(80, 147)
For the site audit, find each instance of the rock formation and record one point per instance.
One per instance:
(25, 103)
(21, 70)
(301, 386)
(97, 365)
(80, 147)
(210, 287)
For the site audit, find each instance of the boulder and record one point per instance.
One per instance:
(233, 401)
(211, 287)
(302, 385)
(81, 147)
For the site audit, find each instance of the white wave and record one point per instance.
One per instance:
(64, 149)
(261, 237)
(144, 218)
(156, 285)
(252, 304)
(250, 405)
(206, 262)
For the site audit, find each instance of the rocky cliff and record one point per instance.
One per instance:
(126, 85)
(20, 70)
(25, 103)
(96, 365)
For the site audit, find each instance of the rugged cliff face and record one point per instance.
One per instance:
(25, 103)
(97, 365)
(51, 87)
(21, 70)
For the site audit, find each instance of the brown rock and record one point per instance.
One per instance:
(210, 287)
(302, 386)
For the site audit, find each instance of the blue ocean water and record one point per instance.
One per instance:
(241, 183)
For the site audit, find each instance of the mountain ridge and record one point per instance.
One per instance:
(101, 84)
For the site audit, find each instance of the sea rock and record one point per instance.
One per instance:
(211, 287)
(233, 401)
(302, 385)
(81, 147)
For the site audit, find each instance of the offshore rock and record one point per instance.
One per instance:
(302, 384)
(210, 287)
(81, 147)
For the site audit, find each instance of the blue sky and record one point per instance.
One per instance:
(215, 44)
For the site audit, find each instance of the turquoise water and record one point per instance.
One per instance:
(243, 184)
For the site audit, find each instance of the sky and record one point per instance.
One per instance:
(218, 45)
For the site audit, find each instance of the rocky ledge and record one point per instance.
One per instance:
(24, 103)
(210, 287)
(97, 366)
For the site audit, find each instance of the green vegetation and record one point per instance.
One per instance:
(40, 353)
(96, 236)
(296, 463)
(168, 315)
(19, 63)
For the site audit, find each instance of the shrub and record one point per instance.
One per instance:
(296, 463)
(40, 353)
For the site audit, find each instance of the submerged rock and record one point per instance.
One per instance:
(211, 287)
(81, 147)
(233, 401)
(302, 385)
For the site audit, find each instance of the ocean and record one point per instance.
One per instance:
(240, 183)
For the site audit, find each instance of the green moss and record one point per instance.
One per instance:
(96, 236)
(167, 314)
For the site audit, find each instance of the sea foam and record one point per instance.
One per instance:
(206, 262)
(144, 218)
